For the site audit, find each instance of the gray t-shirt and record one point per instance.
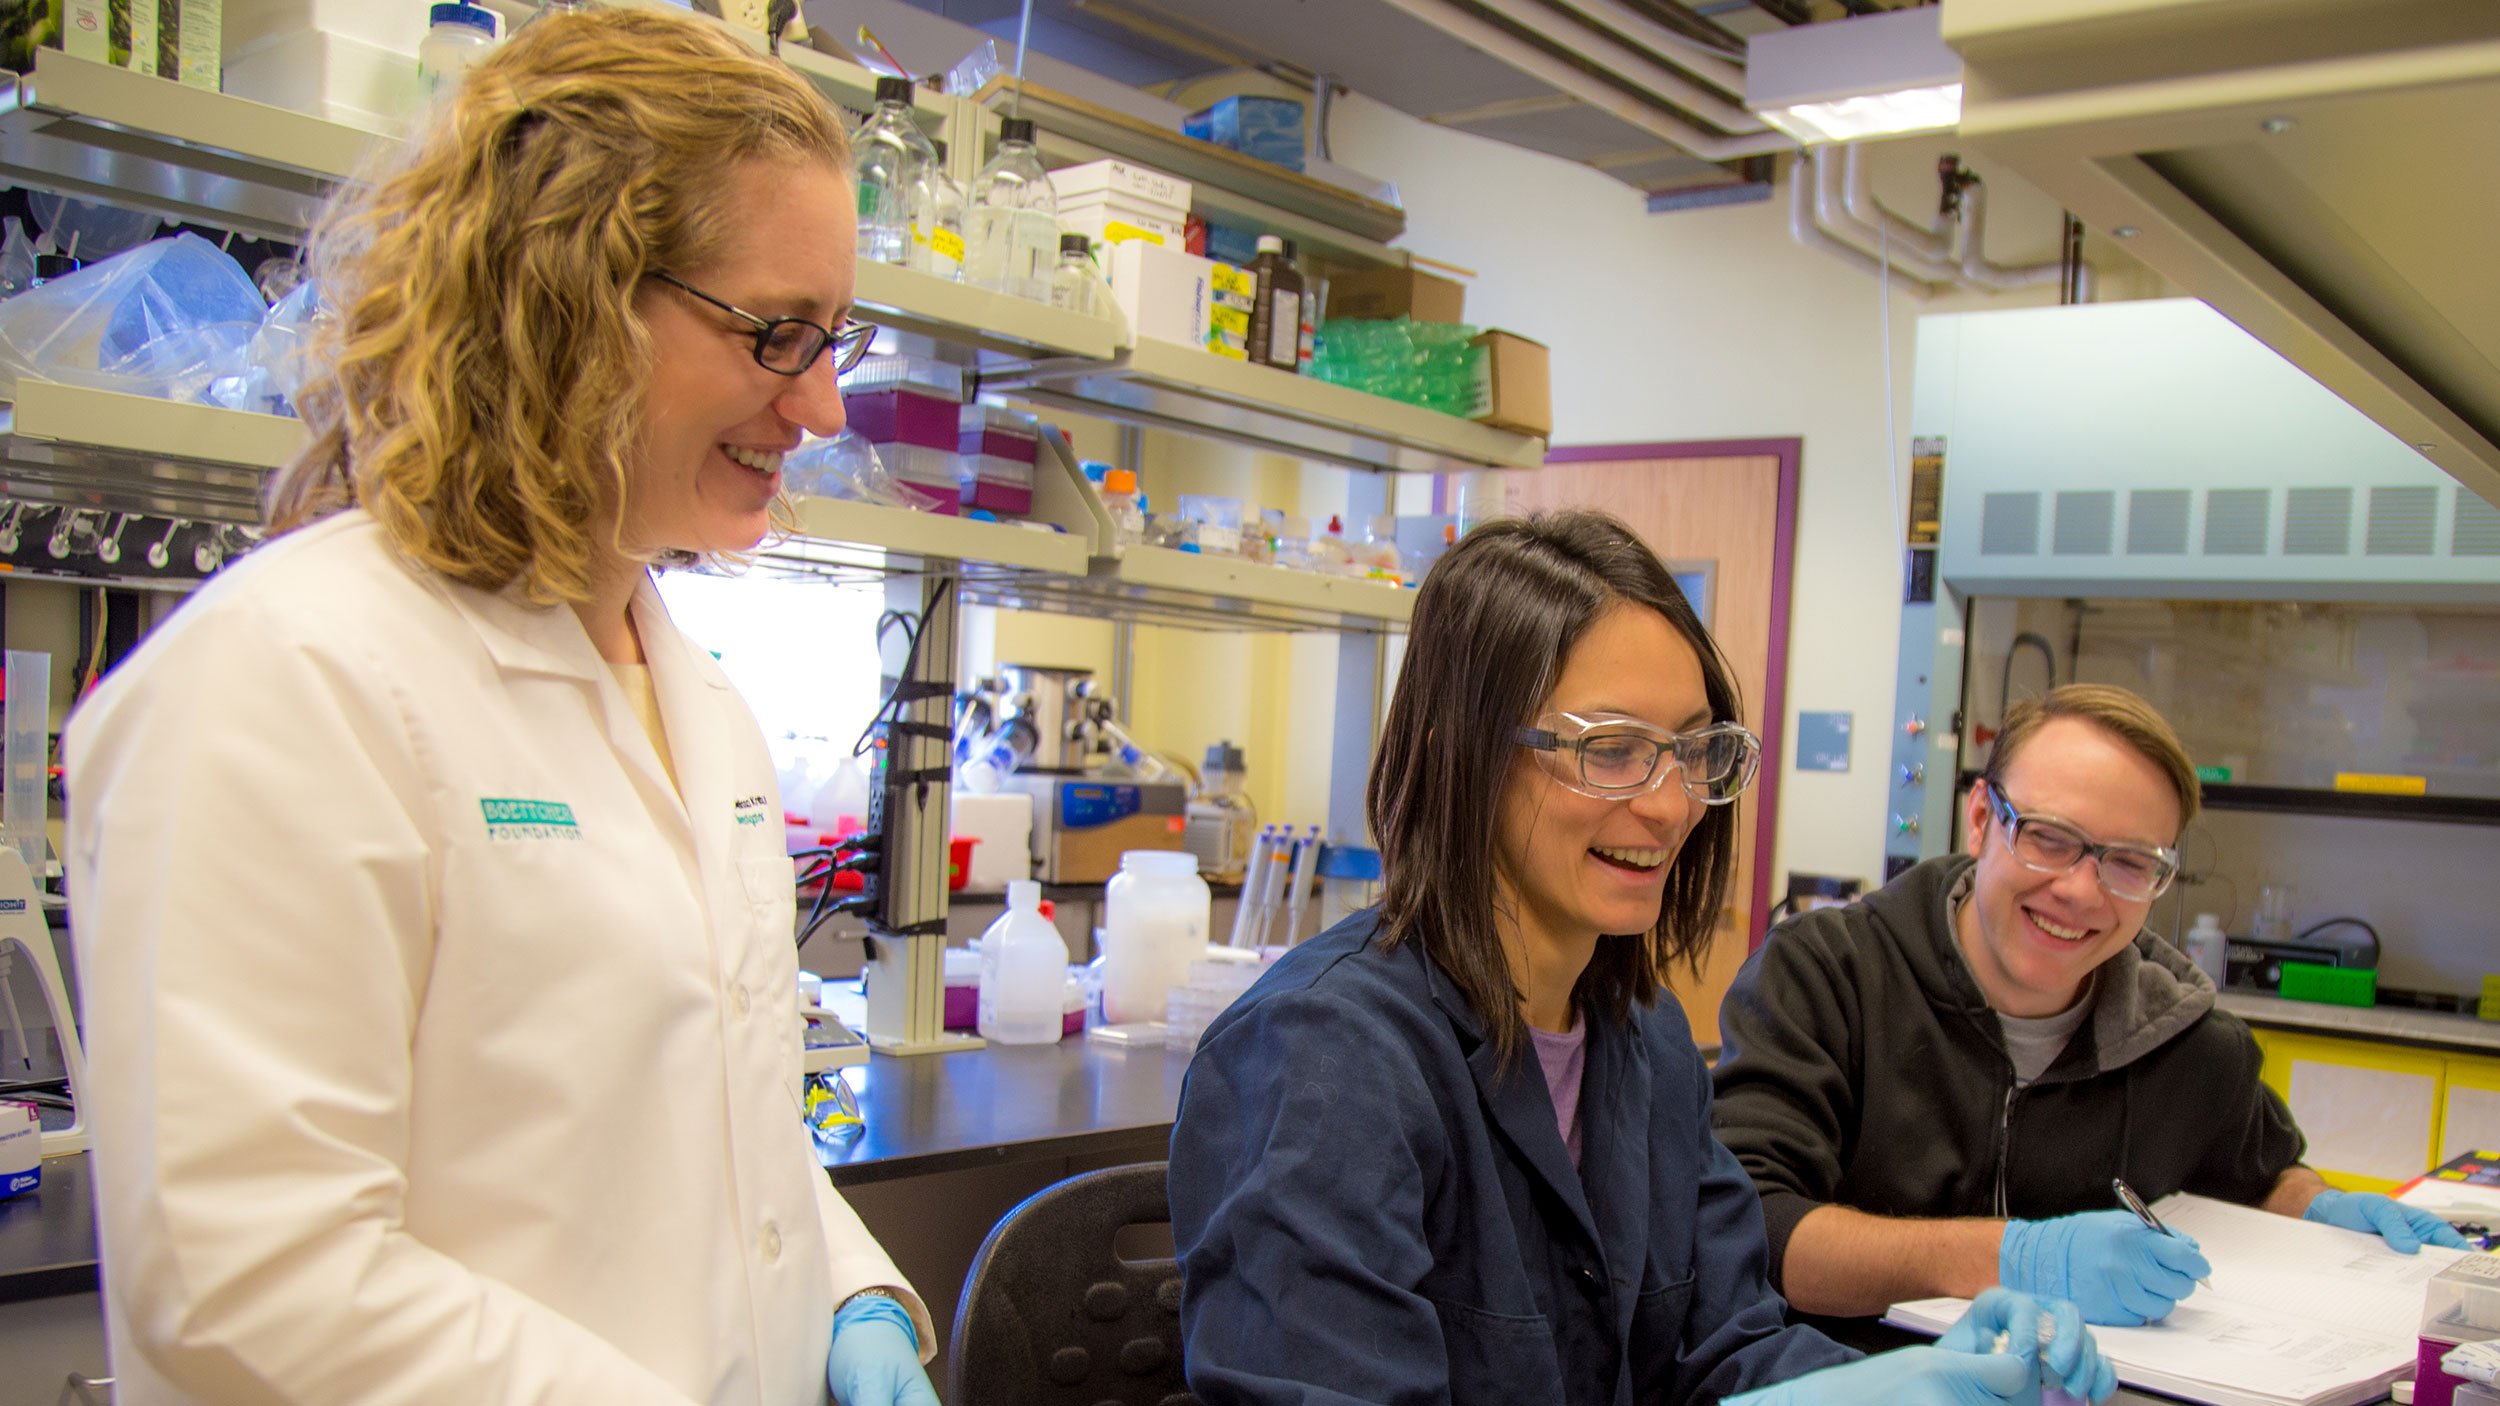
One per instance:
(2032, 1043)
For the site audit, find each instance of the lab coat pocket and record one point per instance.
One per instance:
(1658, 1330)
(1508, 1358)
(771, 895)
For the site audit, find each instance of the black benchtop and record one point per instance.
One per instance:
(47, 1235)
(927, 1113)
(1009, 1103)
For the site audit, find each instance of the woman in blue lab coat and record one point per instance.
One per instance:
(1456, 1149)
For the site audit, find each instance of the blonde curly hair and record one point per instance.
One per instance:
(480, 389)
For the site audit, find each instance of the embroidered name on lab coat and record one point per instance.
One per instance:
(749, 811)
(528, 820)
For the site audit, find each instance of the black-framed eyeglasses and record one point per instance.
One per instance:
(1615, 759)
(787, 346)
(2137, 873)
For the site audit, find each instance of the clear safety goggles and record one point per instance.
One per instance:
(2048, 845)
(1615, 759)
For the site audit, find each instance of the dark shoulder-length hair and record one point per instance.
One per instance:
(1492, 625)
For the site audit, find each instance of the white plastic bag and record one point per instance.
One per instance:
(162, 320)
(274, 365)
(847, 466)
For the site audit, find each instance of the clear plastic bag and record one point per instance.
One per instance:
(846, 466)
(163, 320)
(274, 365)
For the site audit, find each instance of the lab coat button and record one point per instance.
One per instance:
(772, 1242)
(738, 1001)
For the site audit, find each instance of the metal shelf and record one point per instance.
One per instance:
(839, 537)
(1232, 183)
(129, 453)
(91, 129)
(957, 313)
(2366, 805)
(1163, 385)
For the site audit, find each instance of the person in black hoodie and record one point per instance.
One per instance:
(1934, 1087)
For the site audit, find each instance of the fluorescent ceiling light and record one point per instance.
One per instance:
(1870, 115)
(1875, 75)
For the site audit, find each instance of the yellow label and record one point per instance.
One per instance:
(1232, 280)
(2490, 1007)
(1118, 233)
(1221, 348)
(948, 244)
(1232, 320)
(2379, 785)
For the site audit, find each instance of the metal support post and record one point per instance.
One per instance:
(909, 799)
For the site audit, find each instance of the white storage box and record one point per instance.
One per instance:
(1167, 293)
(1003, 823)
(1136, 184)
(328, 76)
(1109, 222)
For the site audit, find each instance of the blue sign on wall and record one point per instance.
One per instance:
(1822, 742)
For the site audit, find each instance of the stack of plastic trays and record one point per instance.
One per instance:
(997, 449)
(908, 407)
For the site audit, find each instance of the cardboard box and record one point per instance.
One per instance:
(176, 39)
(1166, 293)
(21, 1148)
(1116, 221)
(1514, 384)
(1384, 295)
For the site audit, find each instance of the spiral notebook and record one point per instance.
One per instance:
(2300, 1314)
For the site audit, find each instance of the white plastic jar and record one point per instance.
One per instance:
(459, 36)
(1156, 919)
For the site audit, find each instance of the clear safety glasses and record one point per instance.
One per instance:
(2137, 873)
(1615, 759)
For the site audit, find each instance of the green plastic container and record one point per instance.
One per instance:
(2336, 986)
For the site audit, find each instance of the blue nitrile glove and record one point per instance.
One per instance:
(1910, 1376)
(2069, 1358)
(875, 1360)
(2115, 1268)
(2404, 1228)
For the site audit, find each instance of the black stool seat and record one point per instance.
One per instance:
(1052, 1316)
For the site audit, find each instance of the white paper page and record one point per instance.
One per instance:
(2301, 1269)
(2256, 1352)
(2455, 1199)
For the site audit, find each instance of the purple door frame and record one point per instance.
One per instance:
(1789, 452)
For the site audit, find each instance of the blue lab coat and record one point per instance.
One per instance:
(1369, 1207)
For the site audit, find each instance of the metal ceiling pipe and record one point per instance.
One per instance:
(1699, 60)
(1803, 228)
(1831, 213)
(1976, 269)
(1502, 46)
(1569, 33)
(1933, 241)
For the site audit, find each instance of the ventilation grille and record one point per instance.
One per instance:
(2157, 522)
(2235, 521)
(2402, 522)
(2009, 525)
(2317, 522)
(2478, 528)
(2083, 524)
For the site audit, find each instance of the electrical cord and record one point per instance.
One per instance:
(2315, 928)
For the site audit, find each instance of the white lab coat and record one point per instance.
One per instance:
(403, 1092)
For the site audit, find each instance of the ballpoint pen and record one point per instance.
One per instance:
(2144, 1213)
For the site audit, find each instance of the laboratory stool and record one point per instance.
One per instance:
(1051, 1315)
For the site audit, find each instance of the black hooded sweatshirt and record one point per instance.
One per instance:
(1861, 1066)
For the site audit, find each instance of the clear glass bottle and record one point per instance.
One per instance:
(549, 9)
(937, 220)
(1011, 225)
(1072, 282)
(889, 154)
(1221, 821)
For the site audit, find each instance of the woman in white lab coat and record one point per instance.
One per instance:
(428, 885)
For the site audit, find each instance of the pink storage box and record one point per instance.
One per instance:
(999, 444)
(904, 417)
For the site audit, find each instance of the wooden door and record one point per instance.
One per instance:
(1735, 511)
